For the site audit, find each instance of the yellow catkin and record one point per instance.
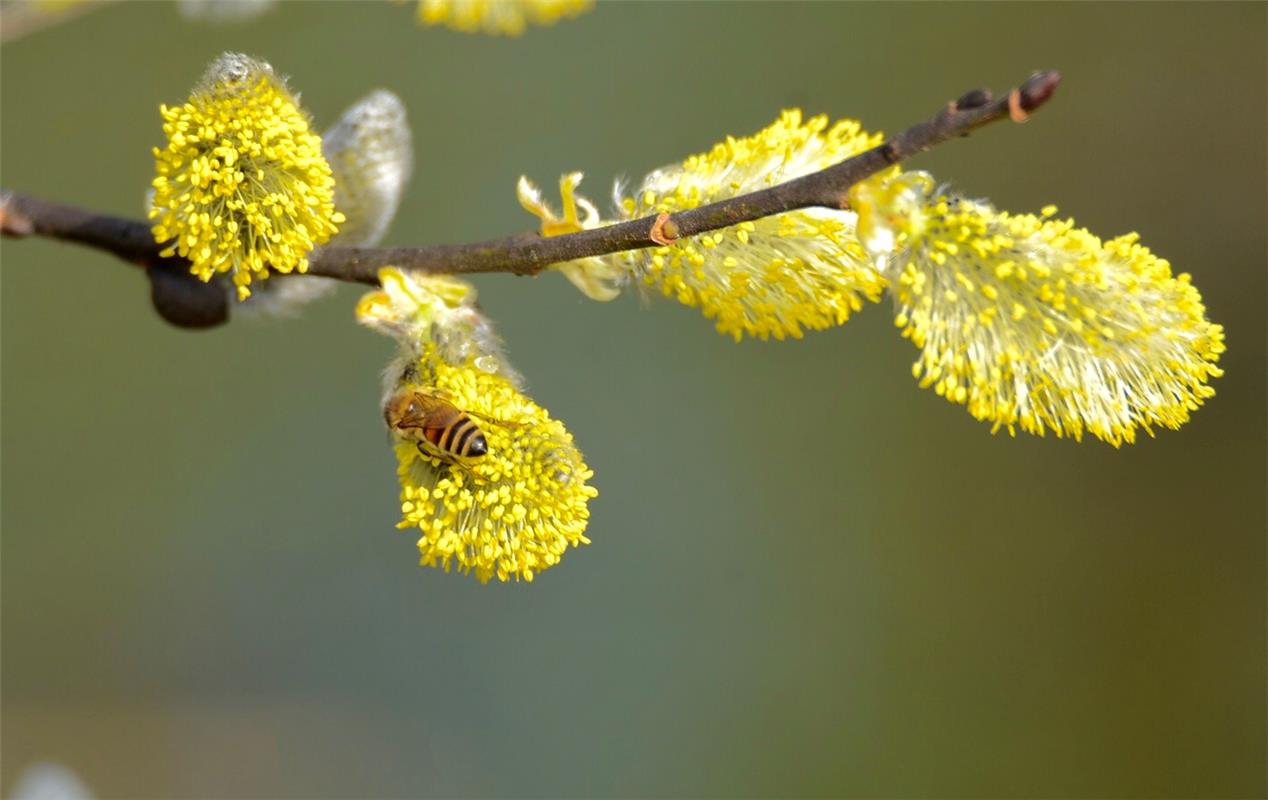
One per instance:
(242, 186)
(517, 509)
(1033, 323)
(774, 277)
(513, 512)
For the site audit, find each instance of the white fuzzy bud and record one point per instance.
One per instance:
(371, 153)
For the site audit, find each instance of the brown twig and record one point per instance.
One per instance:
(529, 254)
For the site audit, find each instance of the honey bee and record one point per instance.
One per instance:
(436, 426)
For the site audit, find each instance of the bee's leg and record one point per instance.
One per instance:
(432, 456)
(471, 473)
(451, 463)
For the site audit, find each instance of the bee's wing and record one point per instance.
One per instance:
(422, 412)
(416, 420)
(494, 420)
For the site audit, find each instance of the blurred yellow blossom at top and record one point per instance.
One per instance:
(508, 17)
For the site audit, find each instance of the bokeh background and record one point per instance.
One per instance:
(808, 576)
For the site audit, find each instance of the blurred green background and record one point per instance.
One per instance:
(204, 594)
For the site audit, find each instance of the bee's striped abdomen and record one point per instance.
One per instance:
(440, 429)
(434, 435)
(462, 437)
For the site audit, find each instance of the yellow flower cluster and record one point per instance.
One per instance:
(509, 17)
(371, 155)
(775, 276)
(1027, 321)
(1031, 322)
(242, 186)
(516, 509)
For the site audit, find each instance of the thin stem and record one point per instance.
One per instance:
(530, 253)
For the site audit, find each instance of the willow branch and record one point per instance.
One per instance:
(529, 253)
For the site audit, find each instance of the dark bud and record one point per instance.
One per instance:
(975, 98)
(185, 301)
(1038, 88)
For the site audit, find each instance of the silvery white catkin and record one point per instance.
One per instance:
(371, 154)
(370, 150)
